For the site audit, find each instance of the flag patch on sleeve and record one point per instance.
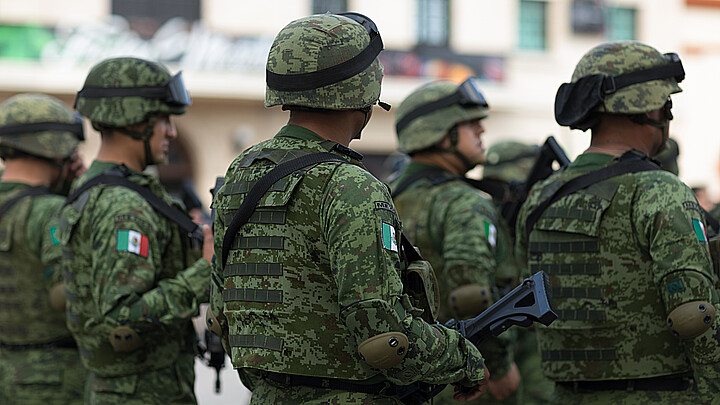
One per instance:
(491, 233)
(133, 242)
(53, 237)
(389, 238)
(699, 229)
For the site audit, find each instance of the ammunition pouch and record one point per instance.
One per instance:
(420, 285)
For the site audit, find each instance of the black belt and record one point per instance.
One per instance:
(382, 388)
(639, 384)
(68, 343)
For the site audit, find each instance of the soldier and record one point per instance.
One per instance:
(456, 228)
(308, 289)
(624, 243)
(133, 281)
(510, 162)
(39, 361)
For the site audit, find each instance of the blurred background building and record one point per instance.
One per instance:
(521, 49)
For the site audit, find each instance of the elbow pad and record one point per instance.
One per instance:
(691, 319)
(469, 301)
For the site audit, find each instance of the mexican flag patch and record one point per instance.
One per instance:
(133, 242)
(699, 229)
(491, 233)
(389, 239)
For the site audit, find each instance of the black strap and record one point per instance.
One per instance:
(611, 84)
(30, 192)
(427, 108)
(262, 186)
(115, 177)
(76, 128)
(630, 162)
(497, 189)
(324, 77)
(664, 383)
(382, 388)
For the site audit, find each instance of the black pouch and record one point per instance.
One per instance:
(574, 102)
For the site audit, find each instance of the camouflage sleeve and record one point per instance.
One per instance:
(40, 232)
(671, 227)
(362, 229)
(469, 246)
(131, 282)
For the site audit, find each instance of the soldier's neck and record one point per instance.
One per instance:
(337, 126)
(122, 149)
(35, 172)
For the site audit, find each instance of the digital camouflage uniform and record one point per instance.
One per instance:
(318, 270)
(39, 362)
(625, 257)
(454, 225)
(132, 276)
(511, 161)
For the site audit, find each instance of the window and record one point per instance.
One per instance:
(433, 22)
(620, 24)
(332, 6)
(533, 25)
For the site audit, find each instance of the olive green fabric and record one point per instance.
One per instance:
(509, 161)
(318, 42)
(621, 255)
(29, 255)
(431, 128)
(316, 272)
(616, 58)
(155, 291)
(124, 111)
(37, 108)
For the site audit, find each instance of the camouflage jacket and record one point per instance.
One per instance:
(459, 231)
(622, 254)
(125, 264)
(29, 258)
(317, 271)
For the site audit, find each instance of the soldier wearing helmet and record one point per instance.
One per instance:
(624, 243)
(39, 360)
(456, 227)
(135, 273)
(307, 291)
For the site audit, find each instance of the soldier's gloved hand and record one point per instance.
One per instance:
(504, 386)
(208, 240)
(474, 392)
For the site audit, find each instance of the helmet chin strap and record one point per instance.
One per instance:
(144, 136)
(366, 111)
(454, 134)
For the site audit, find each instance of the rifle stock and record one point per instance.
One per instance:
(527, 303)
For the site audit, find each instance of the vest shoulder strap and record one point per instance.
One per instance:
(30, 192)
(630, 162)
(115, 177)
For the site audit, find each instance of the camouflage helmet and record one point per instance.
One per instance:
(427, 114)
(325, 61)
(622, 77)
(509, 161)
(124, 91)
(38, 125)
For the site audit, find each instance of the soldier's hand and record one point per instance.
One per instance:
(208, 243)
(76, 166)
(504, 386)
(475, 392)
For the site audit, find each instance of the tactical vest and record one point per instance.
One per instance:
(285, 317)
(611, 320)
(26, 316)
(161, 343)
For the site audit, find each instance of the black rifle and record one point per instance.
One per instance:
(549, 153)
(527, 303)
(213, 343)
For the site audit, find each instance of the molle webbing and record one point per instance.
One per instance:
(231, 237)
(263, 216)
(577, 292)
(580, 315)
(579, 355)
(253, 269)
(246, 186)
(258, 242)
(257, 341)
(570, 213)
(566, 268)
(576, 246)
(252, 295)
